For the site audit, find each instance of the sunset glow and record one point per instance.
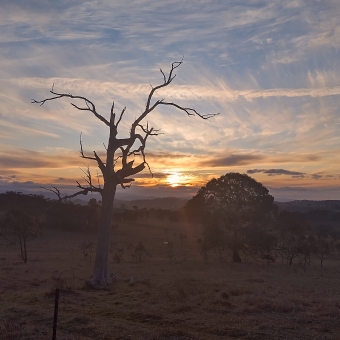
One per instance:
(177, 178)
(270, 69)
(174, 179)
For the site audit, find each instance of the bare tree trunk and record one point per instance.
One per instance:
(236, 255)
(101, 267)
(290, 260)
(23, 249)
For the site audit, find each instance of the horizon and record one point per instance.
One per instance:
(149, 194)
(271, 70)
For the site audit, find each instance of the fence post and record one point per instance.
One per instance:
(55, 320)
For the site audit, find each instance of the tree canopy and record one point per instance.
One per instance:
(235, 203)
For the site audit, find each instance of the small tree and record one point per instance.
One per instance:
(323, 248)
(21, 225)
(234, 202)
(291, 234)
(118, 167)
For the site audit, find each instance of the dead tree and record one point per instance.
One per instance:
(118, 167)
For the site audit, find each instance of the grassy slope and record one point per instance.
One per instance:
(179, 299)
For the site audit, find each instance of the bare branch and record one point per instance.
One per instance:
(84, 191)
(82, 151)
(164, 77)
(128, 171)
(121, 116)
(147, 164)
(113, 115)
(166, 82)
(149, 132)
(101, 164)
(54, 190)
(88, 178)
(90, 106)
(99, 186)
(189, 111)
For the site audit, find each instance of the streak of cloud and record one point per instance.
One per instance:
(278, 172)
(231, 160)
(176, 92)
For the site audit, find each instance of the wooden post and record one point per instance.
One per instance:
(55, 320)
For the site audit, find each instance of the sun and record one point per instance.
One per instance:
(173, 179)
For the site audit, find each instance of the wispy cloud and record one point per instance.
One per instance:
(175, 92)
(231, 160)
(270, 68)
(12, 158)
(278, 172)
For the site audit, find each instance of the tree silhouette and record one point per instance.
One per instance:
(22, 226)
(118, 167)
(292, 242)
(232, 203)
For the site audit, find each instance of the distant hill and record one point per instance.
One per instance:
(304, 206)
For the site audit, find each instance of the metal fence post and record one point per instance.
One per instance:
(55, 320)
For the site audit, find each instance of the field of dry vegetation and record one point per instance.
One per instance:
(165, 292)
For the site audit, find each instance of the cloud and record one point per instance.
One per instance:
(278, 172)
(14, 158)
(174, 92)
(11, 129)
(269, 67)
(231, 160)
(147, 175)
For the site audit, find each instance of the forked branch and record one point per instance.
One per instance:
(101, 164)
(89, 105)
(84, 191)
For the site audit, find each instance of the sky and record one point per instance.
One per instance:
(270, 68)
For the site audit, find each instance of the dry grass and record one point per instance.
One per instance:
(182, 298)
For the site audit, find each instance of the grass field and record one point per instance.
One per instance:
(173, 293)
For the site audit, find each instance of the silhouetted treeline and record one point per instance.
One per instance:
(32, 203)
(74, 217)
(291, 239)
(54, 214)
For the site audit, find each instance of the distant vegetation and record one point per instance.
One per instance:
(239, 216)
(262, 231)
(72, 217)
(173, 271)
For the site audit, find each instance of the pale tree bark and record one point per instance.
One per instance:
(118, 167)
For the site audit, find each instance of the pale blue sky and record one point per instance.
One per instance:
(271, 68)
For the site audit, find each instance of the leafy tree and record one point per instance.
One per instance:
(233, 203)
(118, 167)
